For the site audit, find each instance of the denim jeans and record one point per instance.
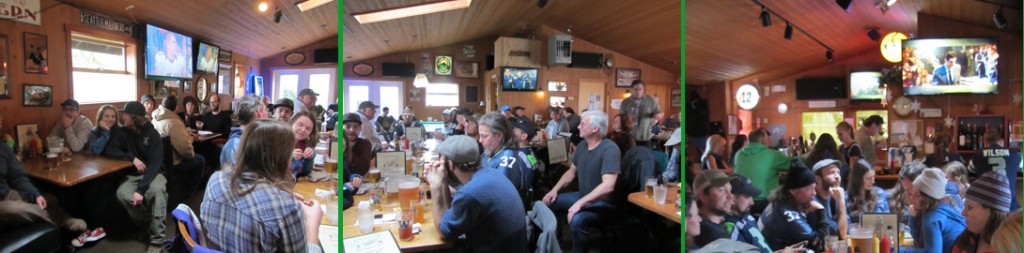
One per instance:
(587, 216)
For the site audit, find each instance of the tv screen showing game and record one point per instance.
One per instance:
(518, 79)
(206, 58)
(864, 85)
(168, 54)
(950, 66)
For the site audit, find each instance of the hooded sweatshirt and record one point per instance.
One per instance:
(170, 125)
(227, 154)
(762, 165)
(937, 230)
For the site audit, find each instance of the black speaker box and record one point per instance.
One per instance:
(325, 55)
(398, 69)
(586, 60)
(821, 88)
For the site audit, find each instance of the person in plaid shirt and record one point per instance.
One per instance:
(250, 207)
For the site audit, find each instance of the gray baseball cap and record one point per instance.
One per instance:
(460, 149)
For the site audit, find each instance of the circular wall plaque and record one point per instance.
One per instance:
(294, 58)
(201, 88)
(747, 96)
(362, 69)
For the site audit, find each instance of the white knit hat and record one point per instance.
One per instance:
(932, 182)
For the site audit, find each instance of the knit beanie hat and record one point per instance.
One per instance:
(991, 190)
(932, 182)
(798, 176)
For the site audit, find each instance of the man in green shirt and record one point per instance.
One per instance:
(762, 165)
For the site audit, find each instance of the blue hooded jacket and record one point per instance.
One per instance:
(936, 230)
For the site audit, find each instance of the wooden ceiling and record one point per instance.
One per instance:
(725, 39)
(648, 31)
(235, 25)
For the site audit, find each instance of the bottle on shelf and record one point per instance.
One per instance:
(962, 137)
(969, 138)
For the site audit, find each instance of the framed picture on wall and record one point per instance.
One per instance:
(558, 86)
(36, 54)
(472, 94)
(5, 89)
(187, 85)
(467, 69)
(624, 77)
(37, 95)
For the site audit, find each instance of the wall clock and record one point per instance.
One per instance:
(201, 88)
(902, 106)
(362, 69)
(294, 58)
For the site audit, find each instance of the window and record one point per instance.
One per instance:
(290, 81)
(442, 94)
(383, 93)
(102, 70)
(820, 123)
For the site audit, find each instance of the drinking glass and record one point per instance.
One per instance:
(405, 225)
(332, 211)
(649, 188)
(659, 194)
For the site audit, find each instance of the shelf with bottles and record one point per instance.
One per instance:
(970, 131)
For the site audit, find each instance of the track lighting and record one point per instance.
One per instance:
(845, 4)
(999, 18)
(789, 32)
(874, 34)
(766, 19)
(828, 54)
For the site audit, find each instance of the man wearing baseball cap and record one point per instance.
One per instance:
(524, 132)
(674, 142)
(831, 195)
(143, 193)
(367, 111)
(785, 220)
(739, 223)
(73, 127)
(480, 210)
(356, 157)
(406, 120)
(506, 111)
(714, 196)
(306, 100)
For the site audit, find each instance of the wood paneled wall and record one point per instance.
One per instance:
(929, 27)
(54, 27)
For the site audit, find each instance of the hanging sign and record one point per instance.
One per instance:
(25, 11)
(747, 96)
(94, 20)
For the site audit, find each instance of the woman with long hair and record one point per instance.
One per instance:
(1007, 236)
(902, 196)
(620, 131)
(986, 207)
(934, 224)
(251, 207)
(956, 172)
(941, 156)
(714, 153)
(849, 150)
(106, 123)
(302, 156)
(863, 195)
(191, 113)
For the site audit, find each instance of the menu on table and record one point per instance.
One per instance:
(414, 134)
(391, 162)
(379, 242)
(558, 150)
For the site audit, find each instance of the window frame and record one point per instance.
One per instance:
(131, 47)
(427, 93)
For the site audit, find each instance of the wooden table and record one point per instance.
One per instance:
(667, 210)
(429, 237)
(202, 138)
(81, 168)
(308, 190)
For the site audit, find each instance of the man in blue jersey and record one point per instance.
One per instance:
(994, 157)
(502, 153)
(739, 223)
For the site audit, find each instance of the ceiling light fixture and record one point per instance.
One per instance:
(766, 13)
(891, 2)
(263, 6)
(766, 19)
(874, 34)
(845, 4)
(420, 81)
(999, 19)
(410, 11)
(788, 35)
(310, 4)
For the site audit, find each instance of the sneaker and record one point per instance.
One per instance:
(79, 241)
(95, 235)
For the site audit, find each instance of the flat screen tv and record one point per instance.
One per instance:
(950, 66)
(864, 86)
(168, 54)
(518, 79)
(206, 58)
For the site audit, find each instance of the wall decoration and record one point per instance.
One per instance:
(5, 90)
(556, 101)
(472, 94)
(414, 94)
(467, 70)
(362, 69)
(468, 50)
(37, 95)
(676, 100)
(201, 89)
(160, 90)
(22, 11)
(25, 134)
(443, 65)
(624, 77)
(36, 53)
(187, 85)
(558, 86)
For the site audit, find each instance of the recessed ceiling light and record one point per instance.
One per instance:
(410, 11)
(263, 6)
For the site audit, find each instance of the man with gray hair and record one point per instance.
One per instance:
(502, 153)
(249, 108)
(596, 164)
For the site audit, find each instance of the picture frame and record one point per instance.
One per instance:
(36, 54)
(467, 70)
(37, 95)
(676, 101)
(624, 77)
(24, 135)
(558, 86)
(5, 83)
(443, 65)
(187, 85)
(557, 101)
(161, 89)
(472, 94)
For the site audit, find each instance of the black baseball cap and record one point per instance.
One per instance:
(366, 104)
(743, 185)
(134, 108)
(70, 102)
(525, 126)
